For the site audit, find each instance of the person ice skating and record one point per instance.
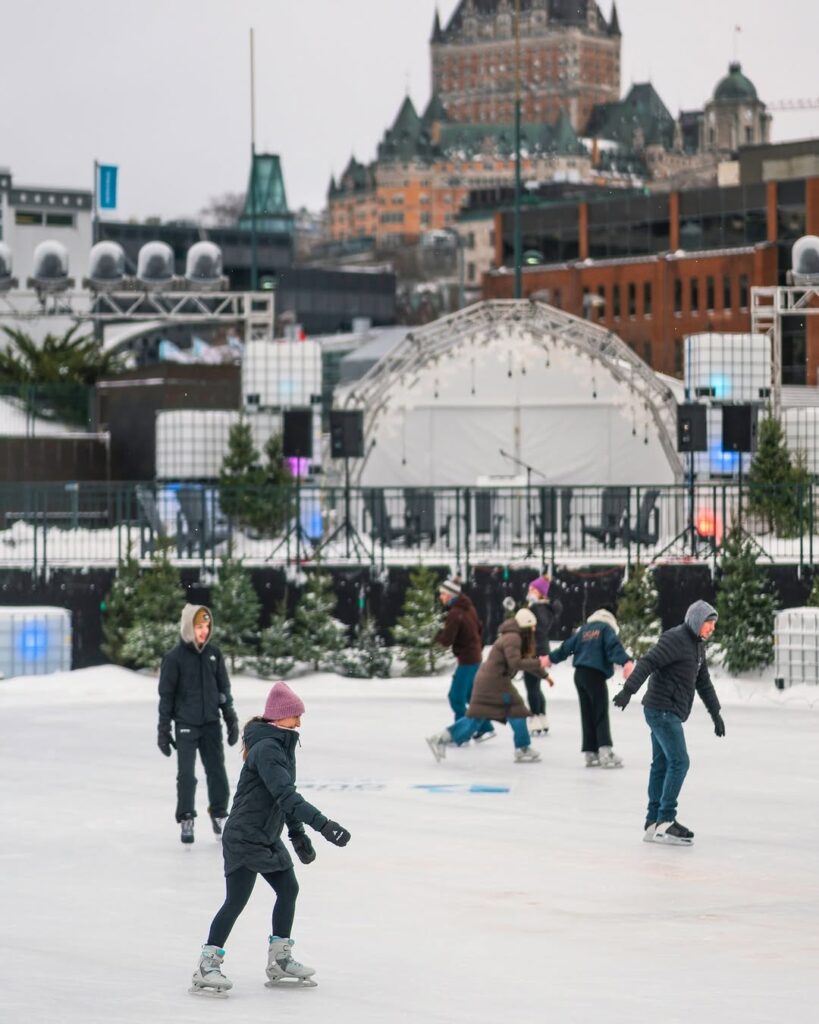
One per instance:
(595, 650)
(677, 667)
(266, 800)
(494, 696)
(193, 689)
(547, 610)
(462, 631)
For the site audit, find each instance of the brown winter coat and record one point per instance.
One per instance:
(493, 694)
(462, 631)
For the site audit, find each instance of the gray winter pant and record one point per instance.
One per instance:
(207, 739)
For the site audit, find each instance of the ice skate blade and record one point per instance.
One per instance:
(291, 983)
(208, 991)
(437, 752)
(485, 737)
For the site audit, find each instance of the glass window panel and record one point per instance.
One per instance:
(615, 300)
(727, 292)
(678, 291)
(694, 294)
(632, 300)
(710, 296)
(647, 298)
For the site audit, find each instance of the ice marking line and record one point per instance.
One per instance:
(374, 786)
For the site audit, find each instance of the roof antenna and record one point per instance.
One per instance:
(737, 31)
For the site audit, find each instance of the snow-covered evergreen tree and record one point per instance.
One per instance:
(236, 611)
(777, 480)
(746, 607)
(369, 657)
(158, 603)
(242, 479)
(119, 608)
(419, 624)
(318, 636)
(638, 611)
(275, 659)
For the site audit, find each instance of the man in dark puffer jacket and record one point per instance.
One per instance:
(193, 690)
(677, 668)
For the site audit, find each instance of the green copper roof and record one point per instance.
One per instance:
(267, 199)
(641, 111)
(735, 86)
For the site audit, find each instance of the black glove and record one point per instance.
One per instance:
(232, 723)
(622, 698)
(164, 740)
(303, 847)
(719, 725)
(335, 834)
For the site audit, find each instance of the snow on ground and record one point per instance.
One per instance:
(536, 902)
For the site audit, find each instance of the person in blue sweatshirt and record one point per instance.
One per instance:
(595, 649)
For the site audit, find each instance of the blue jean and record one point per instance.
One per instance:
(465, 728)
(669, 764)
(460, 691)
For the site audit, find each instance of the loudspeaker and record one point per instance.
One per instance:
(692, 435)
(346, 433)
(297, 442)
(739, 428)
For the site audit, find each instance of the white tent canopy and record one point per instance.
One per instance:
(558, 393)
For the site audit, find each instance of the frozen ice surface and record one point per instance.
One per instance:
(536, 904)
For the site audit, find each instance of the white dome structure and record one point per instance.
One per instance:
(559, 393)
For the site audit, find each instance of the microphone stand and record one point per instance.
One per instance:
(529, 470)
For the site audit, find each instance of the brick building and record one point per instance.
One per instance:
(655, 268)
(569, 60)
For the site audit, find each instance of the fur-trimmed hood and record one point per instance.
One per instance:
(186, 625)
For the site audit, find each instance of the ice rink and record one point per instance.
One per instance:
(517, 893)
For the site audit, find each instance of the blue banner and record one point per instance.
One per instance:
(108, 187)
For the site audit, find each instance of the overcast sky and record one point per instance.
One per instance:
(160, 87)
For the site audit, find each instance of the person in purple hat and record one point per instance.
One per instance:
(266, 800)
(547, 610)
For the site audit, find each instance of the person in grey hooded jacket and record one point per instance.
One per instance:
(678, 669)
(194, 690)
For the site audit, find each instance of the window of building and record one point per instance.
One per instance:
(470, 240)
(647, 298)
(749, 134)
(492, 238)
(678, 356)
(470, 271)
(60, 220)
(27, 217)
(678, 290)
(632, 300)
(647, 352)
(615, 301)
(601, 295)
(694, 294)
(744, 291)
(710, 297)
(727, 292)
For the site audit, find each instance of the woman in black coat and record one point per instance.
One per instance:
(266, 800)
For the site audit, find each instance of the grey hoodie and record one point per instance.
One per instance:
(698, 614)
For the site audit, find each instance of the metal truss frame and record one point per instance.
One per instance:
(254, 309)
(545, 325)
(769, 307)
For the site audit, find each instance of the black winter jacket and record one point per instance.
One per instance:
(193, 684)
(677, 666)
(548, 614)
(266, 800)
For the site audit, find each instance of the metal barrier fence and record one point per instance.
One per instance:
(44, 526)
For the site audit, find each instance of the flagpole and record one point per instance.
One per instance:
(94, 203)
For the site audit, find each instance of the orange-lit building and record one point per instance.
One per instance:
(655, 268)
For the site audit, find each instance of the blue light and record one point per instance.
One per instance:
(32, 641)
(720, 385)
(722, 462)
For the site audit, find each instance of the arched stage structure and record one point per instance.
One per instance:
(558, 393)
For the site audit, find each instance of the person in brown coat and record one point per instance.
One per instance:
(494, 695)
(462, 631)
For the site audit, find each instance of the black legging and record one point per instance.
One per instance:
(534, 693)
(238, 887)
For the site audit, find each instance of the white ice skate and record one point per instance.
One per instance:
(525, 755)
(672, 833)
(438, 744)
(648, 831)
(539, 725)
(608, 759)
(592, 759)
(208, 979)
(283, 969)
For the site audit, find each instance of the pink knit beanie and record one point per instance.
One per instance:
(541, 585)
(282, 702)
